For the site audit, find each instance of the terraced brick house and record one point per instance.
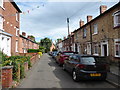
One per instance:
(101, 35)
(26, 43)
(11, 25)
(5, 38)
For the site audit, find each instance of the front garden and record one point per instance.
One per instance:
(20, 65)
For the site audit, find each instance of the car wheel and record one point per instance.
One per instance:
(64, 67)
(75, 76)
(59, 64)
(104, 78)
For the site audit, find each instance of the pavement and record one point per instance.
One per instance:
(114, 75)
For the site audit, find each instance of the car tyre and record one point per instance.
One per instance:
(59, 64)
(75, 76)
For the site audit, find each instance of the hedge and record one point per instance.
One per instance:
(33, 50)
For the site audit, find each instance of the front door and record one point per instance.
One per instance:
(105, 49)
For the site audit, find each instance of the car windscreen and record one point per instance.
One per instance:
(68, 53)
(87, 60)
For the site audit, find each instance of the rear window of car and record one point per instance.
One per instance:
(90, 60)
(68, 53)
(87, 60)
(101, 59)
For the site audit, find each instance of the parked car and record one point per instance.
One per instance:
(63, 55)
(50, 53)
(86, 67)
(54, 54)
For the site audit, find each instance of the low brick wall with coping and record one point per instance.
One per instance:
(7, 76)
(7, 81)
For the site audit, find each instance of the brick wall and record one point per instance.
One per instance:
(10, 16)
(6, 77)
(106, 34)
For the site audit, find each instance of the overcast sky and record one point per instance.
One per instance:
(47, 18)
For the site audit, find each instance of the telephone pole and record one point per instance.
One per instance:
(69, 37)
(68, 25)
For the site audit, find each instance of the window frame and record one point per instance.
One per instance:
(95, 29)
(17, 45)
(88, 48)
(84, 33)
(1, 22)
(1, 4)
(96, 48)
(117, 40)
(17, 29)
(116, 23)
(17, 16)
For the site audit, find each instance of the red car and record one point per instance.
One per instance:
(63, 55)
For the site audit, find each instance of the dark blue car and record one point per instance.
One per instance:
(86, 67)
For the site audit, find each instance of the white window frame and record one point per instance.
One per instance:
(16, 45)
(84, 33)
(117, 40)
(116, 22)
(1, 3)
(88, 48)
(17, 29)
(17, 19)
(95, 29)
(1, 22)
(96, 45)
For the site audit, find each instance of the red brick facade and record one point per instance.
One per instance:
(26, 43)
(7, 77)
(10, 13)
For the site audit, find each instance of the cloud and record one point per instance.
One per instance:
(49, 20)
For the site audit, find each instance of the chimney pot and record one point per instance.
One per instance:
(64, 38)
(23, 34)
(89, 18)
(28, 37)
(103, 8)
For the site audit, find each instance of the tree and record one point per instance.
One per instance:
(46, 43)
(32, 37)
(58, 40)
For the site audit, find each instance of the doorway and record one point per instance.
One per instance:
(104, 49)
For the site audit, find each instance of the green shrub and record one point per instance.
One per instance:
(22, 72)
(29, 62)
(14, 61)
(33, 50)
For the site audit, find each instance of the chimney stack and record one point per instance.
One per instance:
(89, 18)
(28, 37)
(64, 38)
(23, 34)
(103, 8)
(81, 23)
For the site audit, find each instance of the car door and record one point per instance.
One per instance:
(69, 63)
(73, 62)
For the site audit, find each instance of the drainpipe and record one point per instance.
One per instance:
(91, 41)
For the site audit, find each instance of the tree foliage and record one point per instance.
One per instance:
(46, 43)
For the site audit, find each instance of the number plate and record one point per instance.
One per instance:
(95, 75)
